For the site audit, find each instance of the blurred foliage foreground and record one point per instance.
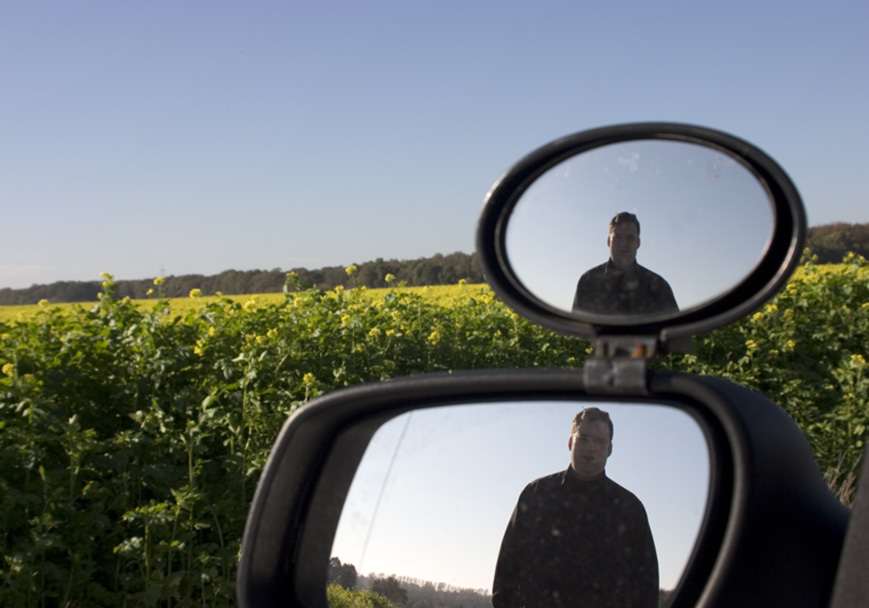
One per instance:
(131, 439)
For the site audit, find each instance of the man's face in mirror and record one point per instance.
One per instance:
(589, 448)
(623, 242)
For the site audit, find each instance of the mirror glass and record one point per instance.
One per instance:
(436, 487)
(705, 221)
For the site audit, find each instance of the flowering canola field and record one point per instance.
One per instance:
(132, 434)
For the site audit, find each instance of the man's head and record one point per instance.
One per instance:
(590, 443)
(623, 239)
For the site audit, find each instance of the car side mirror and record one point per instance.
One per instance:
(413, 476)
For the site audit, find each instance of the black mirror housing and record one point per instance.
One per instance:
(766, 490)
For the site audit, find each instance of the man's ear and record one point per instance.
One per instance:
(609, 239)
(570, 443)
(609, 451)
(638, 242)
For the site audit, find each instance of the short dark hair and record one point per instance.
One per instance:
(625, 218)
(591, 414)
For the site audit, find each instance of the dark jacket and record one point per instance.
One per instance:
(579, 544)
(609, 290)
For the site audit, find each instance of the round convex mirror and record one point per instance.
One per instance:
(650, 229)
(654, 227)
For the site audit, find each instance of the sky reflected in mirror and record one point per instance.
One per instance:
(705, 220)
(436, 487)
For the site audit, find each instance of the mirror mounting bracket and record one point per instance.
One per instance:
(619, 365)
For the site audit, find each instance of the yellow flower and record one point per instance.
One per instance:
(345, 320)
(390, 333)
(434, 337)
(249, 305)
(195, 293)
(858, 359)
(757, 316)
(212, 331)
(750, 344)
(772, 308)
(159, 281)
(149, 292)
(43, 302)
(790, 345)
(107, 276)
(9, 369)
(309, 379)
(463, 282)
(351, 270)
(339, 288)
(389, 278)
(375, 331)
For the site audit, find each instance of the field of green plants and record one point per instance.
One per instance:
(132, 434)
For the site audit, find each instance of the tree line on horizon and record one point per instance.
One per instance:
(832, 242)
(829, 242)
(437, 270)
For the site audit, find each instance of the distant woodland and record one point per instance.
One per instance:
(830, 243)
(436, 270)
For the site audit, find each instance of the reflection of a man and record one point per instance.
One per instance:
(577, 538)
(620, 286)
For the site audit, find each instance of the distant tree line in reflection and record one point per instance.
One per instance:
(405, 592)
(437, 270)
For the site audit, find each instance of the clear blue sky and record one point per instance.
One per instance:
(143, 138)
